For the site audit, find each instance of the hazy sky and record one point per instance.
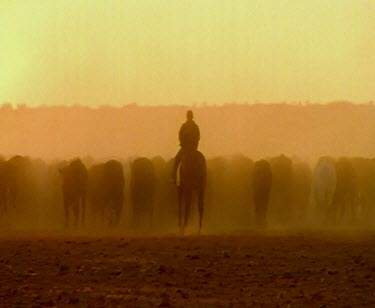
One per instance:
(181, 52)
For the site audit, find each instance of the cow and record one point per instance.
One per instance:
(346, 198)
(17, 186)
(142, 191)
(74, 189)
(106, 191)
(281, 193)
(365, 177)
(8, 187)
(301, 191)
(216, 196)
(262, 182)
(323, 187)
(238, 191)
(165, 199)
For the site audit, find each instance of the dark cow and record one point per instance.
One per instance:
(345, 199)
(17, 185)
(262, 181)
(238, 191)
(74, 188)
(106, 191)
(192, 178)
(301, 191)
(165, 199)
(21, 181)
(8, 186)
(281, 192)
(3, 188)
(323, 188)
(216, 194)
(365, 175)
(142, 191)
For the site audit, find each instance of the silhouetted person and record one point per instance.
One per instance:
(189, 136)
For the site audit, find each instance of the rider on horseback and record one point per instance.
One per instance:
(189, 136)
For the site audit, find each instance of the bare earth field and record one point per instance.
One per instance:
(290, 269)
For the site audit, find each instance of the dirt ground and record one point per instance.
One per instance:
(273, 269)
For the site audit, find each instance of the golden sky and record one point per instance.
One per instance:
(181, 52)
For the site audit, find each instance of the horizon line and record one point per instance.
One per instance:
(20, 105)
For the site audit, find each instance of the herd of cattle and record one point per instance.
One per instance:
(139, 193)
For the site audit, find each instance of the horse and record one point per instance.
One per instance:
(192, 178)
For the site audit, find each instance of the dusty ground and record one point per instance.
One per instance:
(309, 269)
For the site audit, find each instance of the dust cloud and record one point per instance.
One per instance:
(291, 138)
(256, 131)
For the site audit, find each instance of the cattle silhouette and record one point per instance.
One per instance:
(8, 186)
(165, 199)
(21, 181)
(238, 190)
(216, 194)
(74, 188)
(301, 191)
(142, 192)
(345, 198)
(18, 187)
(324, 182)
(281, 192)
(365, 177)
(193, 174)
(262, 182)
(106, 191)
(339, 191)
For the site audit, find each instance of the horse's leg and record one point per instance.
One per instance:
(187, 197)
(200, 207)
